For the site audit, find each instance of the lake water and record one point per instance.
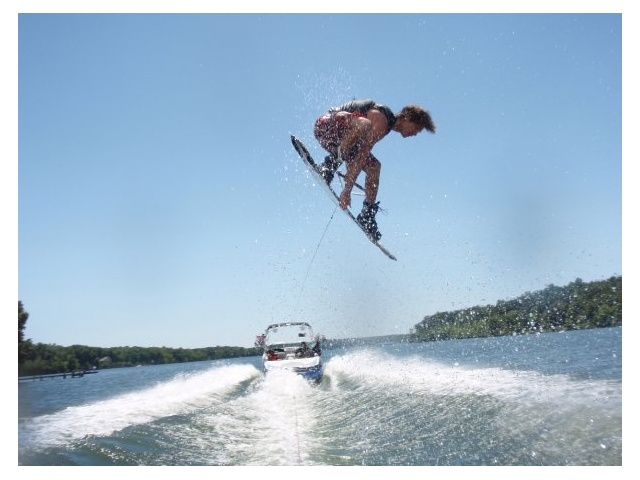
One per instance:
(546, 399)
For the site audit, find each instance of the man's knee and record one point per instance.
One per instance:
(372, 165)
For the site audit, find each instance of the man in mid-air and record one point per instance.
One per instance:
(349, 132)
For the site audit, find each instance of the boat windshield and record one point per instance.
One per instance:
(288, 334)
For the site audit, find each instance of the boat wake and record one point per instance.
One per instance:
(417, 376)
(181, 395)
(371, 408)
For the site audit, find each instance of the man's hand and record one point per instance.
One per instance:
(345, 199)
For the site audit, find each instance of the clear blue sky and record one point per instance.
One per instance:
(161, 202)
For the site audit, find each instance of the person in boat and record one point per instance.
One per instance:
(316, 348)
(349, 132)
(272, 355)
(304, 351)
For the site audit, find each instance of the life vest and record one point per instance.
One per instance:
(362, 107)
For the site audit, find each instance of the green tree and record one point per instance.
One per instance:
(24, 346)
(576, 306)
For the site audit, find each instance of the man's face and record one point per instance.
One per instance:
(410, 129)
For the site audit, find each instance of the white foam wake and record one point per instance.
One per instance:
(183, 394)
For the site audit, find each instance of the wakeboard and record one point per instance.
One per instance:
(314, 168)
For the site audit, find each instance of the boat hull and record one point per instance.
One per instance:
(309, 368)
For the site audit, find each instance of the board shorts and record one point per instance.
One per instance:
(329, 130)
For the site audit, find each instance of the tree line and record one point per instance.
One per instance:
(578, 305)
(43, 359)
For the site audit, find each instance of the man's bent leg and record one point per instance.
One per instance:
(372, 180)
(329, 131)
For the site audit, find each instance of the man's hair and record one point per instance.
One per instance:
(419, 116)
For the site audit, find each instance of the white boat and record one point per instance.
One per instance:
(291, 346)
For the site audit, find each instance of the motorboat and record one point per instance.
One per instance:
(292, 346)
